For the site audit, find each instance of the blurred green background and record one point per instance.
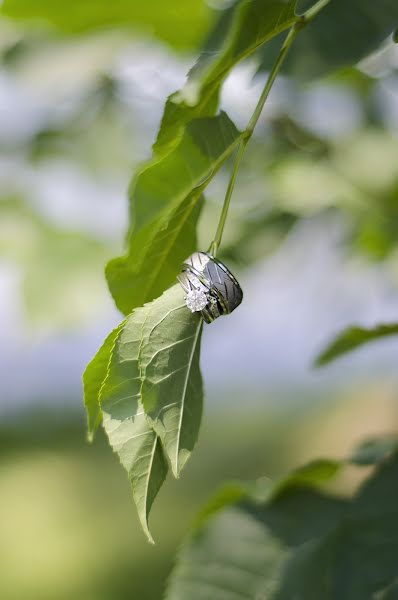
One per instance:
(312, 235)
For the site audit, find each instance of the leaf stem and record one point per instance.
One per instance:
(248, 132)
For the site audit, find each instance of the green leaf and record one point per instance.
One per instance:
(374, 451)
(172, 389)
(177, 22)
(300, 545)
(343, 33)
(241, 30)
(151, 362)
(242, 551)
(165, 205)
(191, 146)
(126, 426)
(93, 377)
(311, 475)
(351, 339)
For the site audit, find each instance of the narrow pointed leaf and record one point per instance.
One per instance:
(172, 390)
(165, 200)
(351, 339)
(93, 377)
(127, 428)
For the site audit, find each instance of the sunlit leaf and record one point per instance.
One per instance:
(352, 338)
(126, 426)
(151, 362)
(93, 377)
(177, 22)
(165, 204)
(242, 29)
(172, 391)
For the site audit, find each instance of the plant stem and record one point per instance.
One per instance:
(248, 132)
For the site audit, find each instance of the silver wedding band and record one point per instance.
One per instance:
(210, 286)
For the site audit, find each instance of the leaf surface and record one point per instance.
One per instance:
(299, 545)
(165, 204)
(93, 377)
(352, 338)
(241, 30)
(125, 424)
(191, 146)
(177, 22)
(342, 34)
(151, 362)
(172, 389)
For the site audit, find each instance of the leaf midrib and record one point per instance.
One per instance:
(189, 367)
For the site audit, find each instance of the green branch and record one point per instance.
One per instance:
(301, 22)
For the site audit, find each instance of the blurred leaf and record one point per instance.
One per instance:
(345, 32)
(53, 260)
(93, 377)
(165, 199)
(312, 474)
(390, 593)
(244, 549)
(177, 22)
(150, 393)
(240, 31)
(300, 545)
(353, 338)
(374, 451)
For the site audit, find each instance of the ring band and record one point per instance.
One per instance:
(210, 286)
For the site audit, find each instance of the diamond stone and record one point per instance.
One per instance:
(196, 300)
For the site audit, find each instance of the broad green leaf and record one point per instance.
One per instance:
(126, 426)
(93, 378)
(165, 205)
(243, 550)
(191, 146)
(153, 364)
(352, 338)
(299, 545)
(343, 33)
(172, 390)
(242, 29)
(177, 22)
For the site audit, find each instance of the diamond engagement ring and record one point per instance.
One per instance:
(210, 286)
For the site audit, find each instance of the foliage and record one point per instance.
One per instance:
(165, 206)
(151, 396)
(352, 338)
(360, 26)
(298, 543)
(146, 383)
(153, 16)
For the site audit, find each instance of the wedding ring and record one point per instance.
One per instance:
(210, 286)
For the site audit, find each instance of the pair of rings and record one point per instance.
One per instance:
(210, 286)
